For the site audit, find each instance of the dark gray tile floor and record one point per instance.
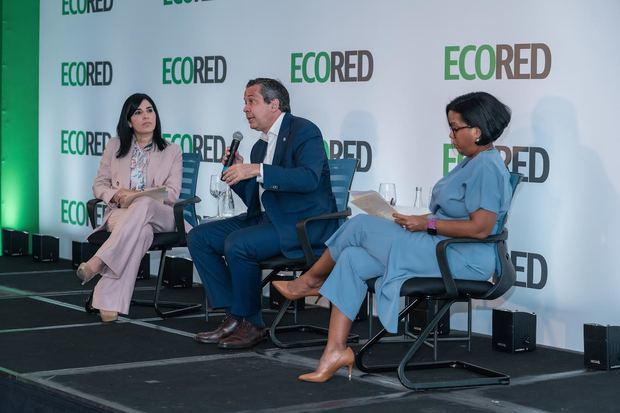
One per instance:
(56, 357)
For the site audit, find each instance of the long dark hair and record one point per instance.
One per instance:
(483, 111)
(125, 132)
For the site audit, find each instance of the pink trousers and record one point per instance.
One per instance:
(131, 236)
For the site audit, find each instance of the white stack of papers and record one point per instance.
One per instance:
(159, 193)
(373, 204)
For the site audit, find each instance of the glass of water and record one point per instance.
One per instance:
(228, 204)
(217, 189)
(387, 191)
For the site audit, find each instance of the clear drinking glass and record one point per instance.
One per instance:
(388, 192)
(216, 188)
(228, 204)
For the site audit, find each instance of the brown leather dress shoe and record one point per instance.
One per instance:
(226, 328)
(246, 335)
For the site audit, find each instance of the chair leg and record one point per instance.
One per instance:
(469, 325)
(370, 313)
(206, 310)
(359, 357)
(276, 328)
(88, 305)
(436, 330)
(436, 338)
(485, 376)
(321, 331)
(408, 332)
(274, 275)
(210, 312)
(269, 278)
(178, 307)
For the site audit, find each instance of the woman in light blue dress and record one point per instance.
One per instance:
(469, 202)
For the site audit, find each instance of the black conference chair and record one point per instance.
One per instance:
(341, 173)
(184, 209)
(449, 290)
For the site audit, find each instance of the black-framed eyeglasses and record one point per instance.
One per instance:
(455, 130)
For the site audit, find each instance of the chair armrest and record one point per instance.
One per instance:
(178, 208)
(302, 232)
(90, 208)
(442, 258)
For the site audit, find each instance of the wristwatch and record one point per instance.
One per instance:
(431, 225)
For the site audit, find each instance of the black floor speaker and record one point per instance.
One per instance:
(82, 252)
(601, 346)
(14, 243)
(276, 299)
(178, 272)
(514, 331)
(45, 248)
(423, 312)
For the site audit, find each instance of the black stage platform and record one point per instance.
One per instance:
(55, 357)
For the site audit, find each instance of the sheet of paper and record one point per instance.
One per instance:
(158, 193)
(372, 203)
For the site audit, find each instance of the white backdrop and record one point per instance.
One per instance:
(563, 124)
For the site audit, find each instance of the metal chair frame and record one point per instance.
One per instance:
(341, 173)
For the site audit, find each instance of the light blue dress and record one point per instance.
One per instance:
(367, 246)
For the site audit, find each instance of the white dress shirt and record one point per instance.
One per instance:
(271, 137)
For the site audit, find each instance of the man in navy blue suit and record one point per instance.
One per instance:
(286, 181)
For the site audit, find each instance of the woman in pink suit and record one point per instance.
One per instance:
(139, 158)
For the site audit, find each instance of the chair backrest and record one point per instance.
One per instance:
(515, 179)
(506, 274)
(341, 172)
(191, 165)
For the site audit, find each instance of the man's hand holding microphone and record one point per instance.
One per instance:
(234, 169)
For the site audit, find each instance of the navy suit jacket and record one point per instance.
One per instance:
(297, 185)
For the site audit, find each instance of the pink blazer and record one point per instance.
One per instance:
(165, 168)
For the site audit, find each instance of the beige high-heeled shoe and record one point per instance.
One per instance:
(282, 287)
(84, 273)
(346, 359)
(108, 316)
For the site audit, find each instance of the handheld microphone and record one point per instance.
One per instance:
(234, 145)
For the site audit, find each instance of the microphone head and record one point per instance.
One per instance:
(238, 136)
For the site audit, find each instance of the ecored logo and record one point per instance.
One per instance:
(351, 149)
(502, 61)
(75, 212)
(173, 2)
(86, 73)
(210, 147)
(83, 142)
(531, 268)
(72, 7)
(321, 67)
(531, 161)
(197, 69)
